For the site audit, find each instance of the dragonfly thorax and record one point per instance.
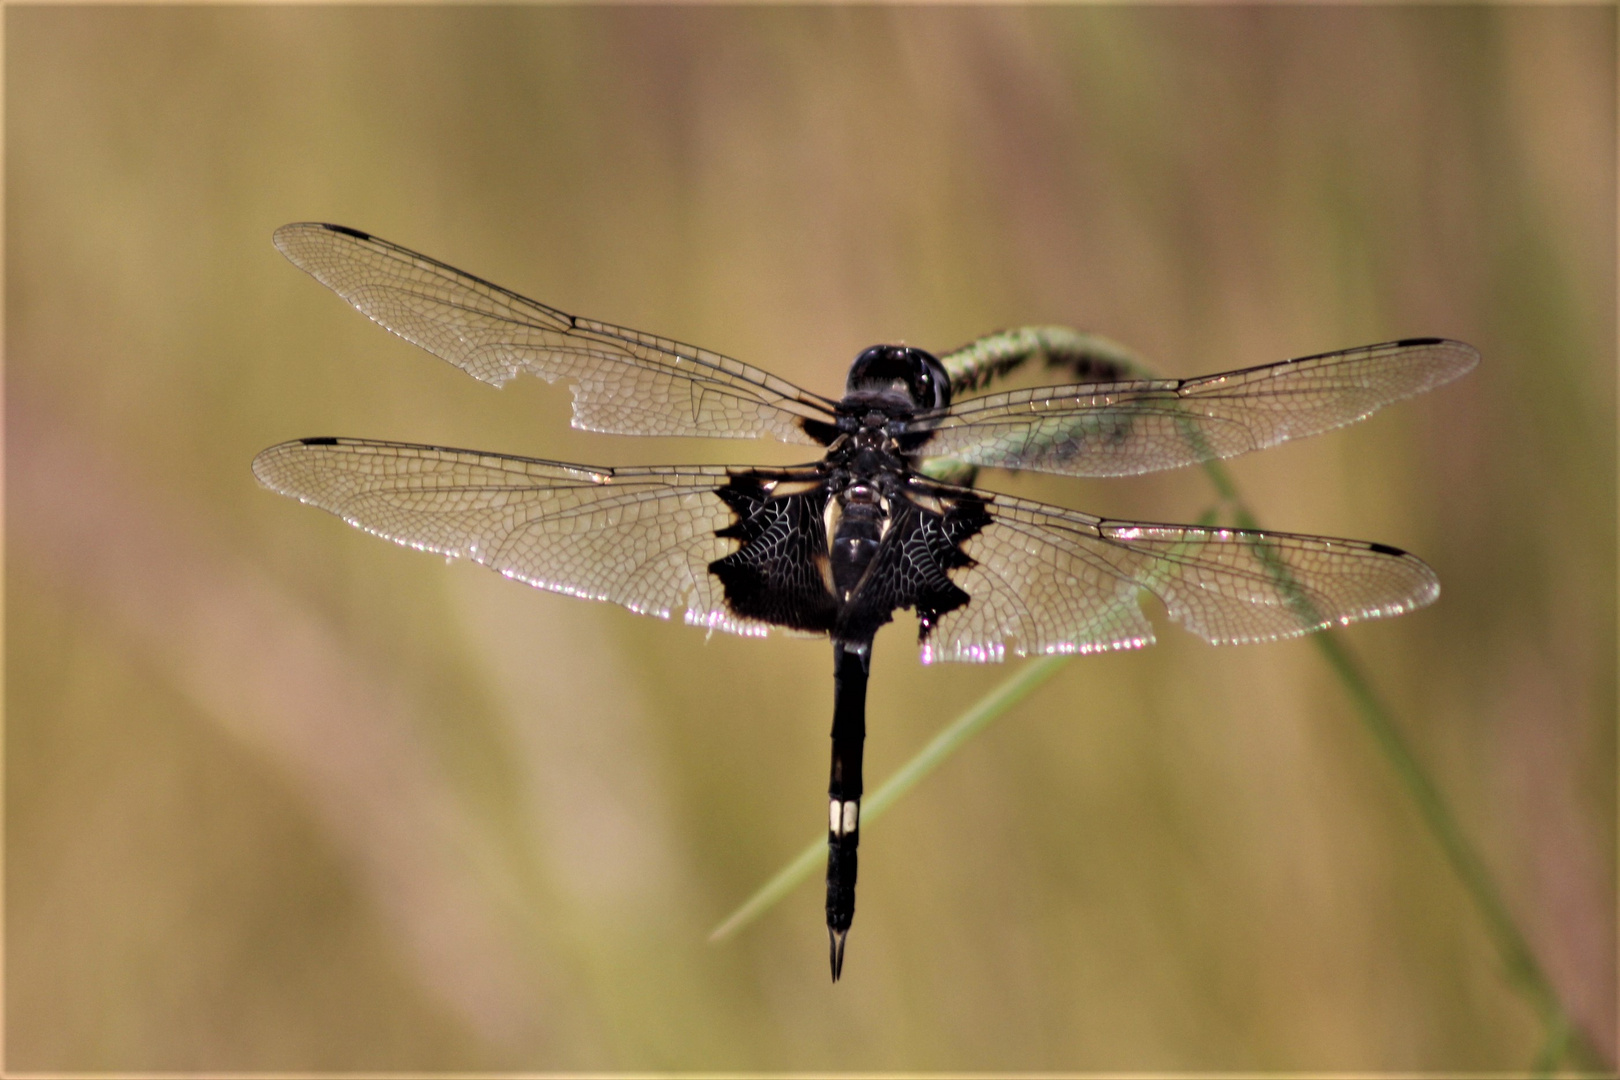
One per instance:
(857, 520)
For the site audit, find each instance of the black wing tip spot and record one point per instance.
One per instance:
(320, 440)
(1385, 549)
(1413, 342)
(346, 231)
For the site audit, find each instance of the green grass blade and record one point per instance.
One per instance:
(997, 701)
(1553, 1049)
(785, 881)
(1013, 690)
(1562, 1038)
(1519, 965)
(1008, 693)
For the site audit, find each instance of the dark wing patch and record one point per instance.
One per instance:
(1048, 580)
(625, 382)
(777, 575)
(912, 568)
(780, 573)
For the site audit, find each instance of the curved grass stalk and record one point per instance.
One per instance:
(1011, 691)
(1562, 1038)
(942, 746)
(1519, 965)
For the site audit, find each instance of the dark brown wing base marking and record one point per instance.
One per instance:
(912, 570)
(779, 573)
(776, 575)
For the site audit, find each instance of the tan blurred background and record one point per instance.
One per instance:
(283, 796)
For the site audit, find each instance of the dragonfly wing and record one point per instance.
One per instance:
(994, 357)
(1126, 428)
(625, 382)
(1047, 580)
(643, 538)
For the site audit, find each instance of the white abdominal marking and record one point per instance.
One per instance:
(843, 818)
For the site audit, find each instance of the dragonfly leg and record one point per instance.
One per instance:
(851, 662)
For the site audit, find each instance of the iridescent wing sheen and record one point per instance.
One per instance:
(625, 382)
(643, 538)
(1038, 579)
(1048, 580)
(1126, 428)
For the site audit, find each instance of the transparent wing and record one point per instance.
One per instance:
(1126, 428)
(642, 538)
(625, 382)
(1048, 580)
(993, 358)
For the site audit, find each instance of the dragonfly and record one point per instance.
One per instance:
(887, 518)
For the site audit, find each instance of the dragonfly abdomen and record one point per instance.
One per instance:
(851, 662)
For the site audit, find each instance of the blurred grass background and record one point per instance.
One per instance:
(282, 796)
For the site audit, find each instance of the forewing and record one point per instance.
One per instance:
(1126, 428)
(625, 382)
(1047, 580)
(642, 538)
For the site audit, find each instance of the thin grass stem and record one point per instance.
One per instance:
(1562, 1037)
(964, 727)
(1519, 965)
(1008, 693)
(1553, 1049)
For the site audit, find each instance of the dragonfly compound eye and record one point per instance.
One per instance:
(900, 370)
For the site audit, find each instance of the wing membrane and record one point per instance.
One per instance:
(994, 357)
(625, 382)
(1126, 428)
(642, 538)
(1048, 580)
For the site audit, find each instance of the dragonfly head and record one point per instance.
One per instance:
(900, 373)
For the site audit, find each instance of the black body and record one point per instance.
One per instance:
(886, 519)
(864, 535)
